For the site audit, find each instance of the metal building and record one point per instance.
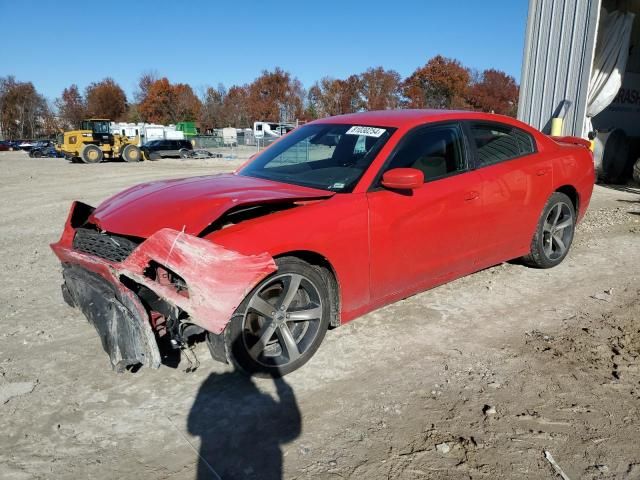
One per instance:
(581, 77)
(558, 57)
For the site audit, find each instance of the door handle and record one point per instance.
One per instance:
(471, 196)
(543, 171)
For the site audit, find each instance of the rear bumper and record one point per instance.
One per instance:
(217, 281)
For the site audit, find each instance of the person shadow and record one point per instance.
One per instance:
(241, 428)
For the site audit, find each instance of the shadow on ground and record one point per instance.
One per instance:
(241, 428)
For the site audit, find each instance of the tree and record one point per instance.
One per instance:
(165, 103)
(380, 89)
(212, 111)
(71, 107)
(494, 91)
(441, 83)
(235, 107)
(275, 96)
(106, 99)
(337, 97)
(23, 111)
(144, 84)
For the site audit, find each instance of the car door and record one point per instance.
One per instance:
(515, 184)
(423, 237)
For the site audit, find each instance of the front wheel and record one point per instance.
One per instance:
(184, 153)
(282, 322)
(554, 233)
(131, 153)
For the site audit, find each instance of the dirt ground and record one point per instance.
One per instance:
(475, 379)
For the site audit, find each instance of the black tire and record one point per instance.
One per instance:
(636, 172)
(257, 344)
(554, 233)
(131, 153)
(184, 153)
(91, 154)
(36, 154)
(152, 156)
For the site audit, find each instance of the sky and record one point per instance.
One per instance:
(55, 43)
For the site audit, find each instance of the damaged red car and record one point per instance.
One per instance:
(341, 216)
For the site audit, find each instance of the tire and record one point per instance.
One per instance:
(184, 153)
(152, 156)
(266, 345)
(554, 233)
(36, 154)
(636, 172)
(91, 154)
(131, 153)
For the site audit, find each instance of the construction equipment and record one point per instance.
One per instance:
(95, 142)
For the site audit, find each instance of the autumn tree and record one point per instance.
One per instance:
(494, 91)
(235, 110)
(380, 89)
(336, 97)
(71, 107)
(275, 96)
(144, 84)
(212, 113)
(166, 103)
(441, 83)
(23, 111)
(105, 99)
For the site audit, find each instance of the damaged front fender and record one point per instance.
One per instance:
(215, 280)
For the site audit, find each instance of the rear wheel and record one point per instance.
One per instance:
(282, 322)
(131, 153)
(184, 153)
(36, 154)
(636, 172)
(554, 233)
(91, 154)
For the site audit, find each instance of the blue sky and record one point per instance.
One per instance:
(57, 43)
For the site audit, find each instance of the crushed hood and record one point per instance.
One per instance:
(191, 203)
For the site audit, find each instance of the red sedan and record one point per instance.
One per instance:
(339, 217)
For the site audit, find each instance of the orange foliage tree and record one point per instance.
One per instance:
(332, 96)
(105, 99)
(441, 83)
(235, 107)
(380, 89)
(166, 103)
(275, 96)
(71, 107)
(494, 91)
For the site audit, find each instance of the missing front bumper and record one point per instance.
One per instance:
(121, 322)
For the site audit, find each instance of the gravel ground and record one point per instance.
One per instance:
(474, 379)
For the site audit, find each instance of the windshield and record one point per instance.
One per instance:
(324, 156)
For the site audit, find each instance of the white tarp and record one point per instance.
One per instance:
(610, 61)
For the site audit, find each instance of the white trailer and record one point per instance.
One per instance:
(147, 131)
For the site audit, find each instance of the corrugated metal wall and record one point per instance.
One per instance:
(557, 60)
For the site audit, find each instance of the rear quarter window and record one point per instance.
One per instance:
(497, 143)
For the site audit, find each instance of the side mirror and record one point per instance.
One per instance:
(403, 179)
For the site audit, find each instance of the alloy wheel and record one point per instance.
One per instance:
(557, 231)
(282, 320)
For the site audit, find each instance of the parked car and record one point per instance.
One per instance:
(340, 217)
(47, 150)
(26, 145)
(156, 149)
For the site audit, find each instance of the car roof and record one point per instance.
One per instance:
(411, 117)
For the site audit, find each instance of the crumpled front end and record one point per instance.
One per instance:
(136, 292)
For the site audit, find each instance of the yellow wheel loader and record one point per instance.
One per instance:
(94, 142)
